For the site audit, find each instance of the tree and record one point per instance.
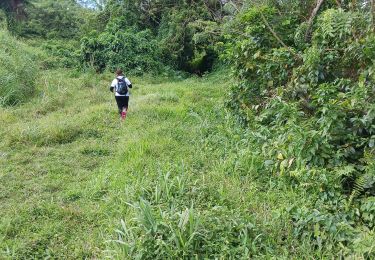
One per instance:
(95, 4)
(52, 19)
(14, 8)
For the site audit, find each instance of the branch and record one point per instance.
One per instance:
(273, 32)
(278, 38)
(312, 17)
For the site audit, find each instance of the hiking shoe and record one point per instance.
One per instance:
(123, 115)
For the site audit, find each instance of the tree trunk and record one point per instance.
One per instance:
(311, 20)
(18, 8)
(16, 4)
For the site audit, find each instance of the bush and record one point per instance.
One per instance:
(126, 49)
(310, 106)
(3, 20)
(187, 39)
(18, 71)
(61, 54)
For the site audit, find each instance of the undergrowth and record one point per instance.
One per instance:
(310, 109)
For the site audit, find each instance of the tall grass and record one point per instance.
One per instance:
(179, 179)
(18, 71)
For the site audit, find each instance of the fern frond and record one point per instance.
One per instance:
(345, 170)
(358, 188)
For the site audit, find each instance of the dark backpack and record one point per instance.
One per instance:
(122, 87)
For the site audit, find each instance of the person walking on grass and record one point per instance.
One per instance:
(120, 86)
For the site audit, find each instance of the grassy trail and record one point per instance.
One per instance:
(177, 179)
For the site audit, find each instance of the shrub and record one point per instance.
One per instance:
(3, 20)
(127, 49)
(61, 54)
(310, 108)
(312, 105)
(187, 39)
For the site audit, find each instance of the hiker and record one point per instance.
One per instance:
(120, 85)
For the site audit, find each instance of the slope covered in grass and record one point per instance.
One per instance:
(18, 71)
(178, 179)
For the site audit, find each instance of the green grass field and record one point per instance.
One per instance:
(178, 179)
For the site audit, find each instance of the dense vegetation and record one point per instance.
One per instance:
(307, 91)
(144, 35)
(283, 163)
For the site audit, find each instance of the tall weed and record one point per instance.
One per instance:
(18, 71)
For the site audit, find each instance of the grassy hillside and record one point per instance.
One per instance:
(285, 169)
(177, 179)
(18, 71)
